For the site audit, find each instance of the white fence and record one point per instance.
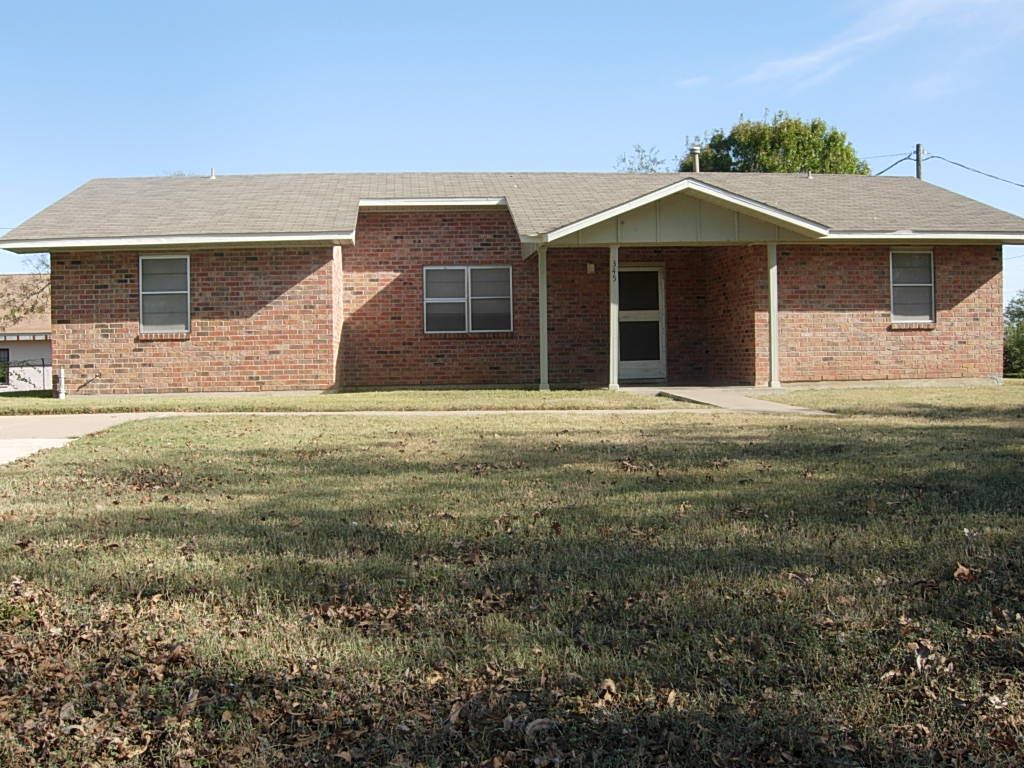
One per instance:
(22, 375)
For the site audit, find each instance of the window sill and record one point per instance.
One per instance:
(894, 326)
(165, 336)
(465, 334)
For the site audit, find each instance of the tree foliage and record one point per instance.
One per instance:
(21, 298)
(783, 144)
(1013, 336)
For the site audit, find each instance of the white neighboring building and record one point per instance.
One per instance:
(25, 362)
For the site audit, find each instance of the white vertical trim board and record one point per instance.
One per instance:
(613, 317)
(773, 316)
(542, 313)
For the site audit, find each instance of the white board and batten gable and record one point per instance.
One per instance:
(682, 218)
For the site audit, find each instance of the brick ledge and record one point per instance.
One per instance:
(172, 336)
(912, 326)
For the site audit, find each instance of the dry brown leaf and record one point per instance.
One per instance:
(190, 704)
(537, 727)
(964, 573)
(608, 687)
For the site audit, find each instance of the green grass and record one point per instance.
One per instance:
(931, 402)
(399, 400)
(681, 588)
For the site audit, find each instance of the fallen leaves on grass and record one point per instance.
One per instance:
(964, 574)
(369, 619)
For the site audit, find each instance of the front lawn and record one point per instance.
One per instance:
(681, 588)
(399, 400)
(931, 402)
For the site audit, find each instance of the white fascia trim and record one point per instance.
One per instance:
(782, 217)
(62, 244)
(997, 237)
(25, 336)
(433, 202)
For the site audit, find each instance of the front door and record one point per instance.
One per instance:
(641, 323)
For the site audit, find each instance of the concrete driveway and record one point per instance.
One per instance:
(22, 436)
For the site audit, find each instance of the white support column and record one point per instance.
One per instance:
(613, 317)
(542, 313)
(773, 316)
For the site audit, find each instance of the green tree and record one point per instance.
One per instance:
(783, 144)
(1013, 336)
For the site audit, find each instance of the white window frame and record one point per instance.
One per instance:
(893, 286)
(467, 300)
(187, 292)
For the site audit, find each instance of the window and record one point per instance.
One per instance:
(467, 299)
(913, 287)
(5, 366)
(163, 293)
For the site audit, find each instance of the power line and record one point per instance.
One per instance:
(890, 167)
(974, 170)
(882, 157)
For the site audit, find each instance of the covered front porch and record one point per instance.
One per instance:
(681, 289)
(677, 315)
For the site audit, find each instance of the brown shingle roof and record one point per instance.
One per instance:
(538, 202)
(26, 299)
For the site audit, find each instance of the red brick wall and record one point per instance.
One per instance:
(271, 318)
(578, 312)
(261, 319)
(383, 341)
(834, 315)
(578, 317)
(737, 317)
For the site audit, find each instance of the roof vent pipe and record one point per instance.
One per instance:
(213, 174)
(695, 151)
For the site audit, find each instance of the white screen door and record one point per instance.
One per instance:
(641, 323)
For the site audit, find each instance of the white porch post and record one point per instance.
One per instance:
(613, 317)
(542, 313)
(773, 316)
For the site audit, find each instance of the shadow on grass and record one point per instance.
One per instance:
(34, 394)
(316, 715)
(757, 569)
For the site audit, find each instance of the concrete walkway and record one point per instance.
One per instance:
(22, 436)
(735, 399)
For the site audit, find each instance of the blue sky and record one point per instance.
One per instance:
(128, 89)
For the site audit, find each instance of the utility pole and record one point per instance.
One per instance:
(920, 159)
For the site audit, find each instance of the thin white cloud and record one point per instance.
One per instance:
(693, 82)
(880, 23)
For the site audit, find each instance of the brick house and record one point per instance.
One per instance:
(308, 281)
